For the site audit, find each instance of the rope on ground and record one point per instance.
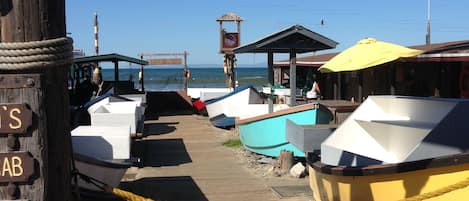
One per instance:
(128, 196)
(439, 192)
(36, 54)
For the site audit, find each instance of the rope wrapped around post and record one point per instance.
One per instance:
(36, 54)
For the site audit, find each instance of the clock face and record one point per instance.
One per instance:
(230, 40)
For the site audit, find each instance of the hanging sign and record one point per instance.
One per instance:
(15, 118)
(16, 167)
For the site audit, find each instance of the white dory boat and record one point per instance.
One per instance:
(102, 153)
(243, 102)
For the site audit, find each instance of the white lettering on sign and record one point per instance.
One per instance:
(15, 118)
(12, 167)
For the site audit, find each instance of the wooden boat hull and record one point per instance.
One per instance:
(240, 97)
(103, 142)
(391, 182)
(117, 114)
(265, 134)
(110, 172)
(222, 121)
(205, 94)
(308, 138)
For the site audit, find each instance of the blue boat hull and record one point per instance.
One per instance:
(222, 121)
(267, 136)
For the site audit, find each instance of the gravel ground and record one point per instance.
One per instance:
(261, 166)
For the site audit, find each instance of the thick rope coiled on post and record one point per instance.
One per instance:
(36, 54)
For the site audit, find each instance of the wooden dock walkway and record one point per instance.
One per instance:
(184, 159)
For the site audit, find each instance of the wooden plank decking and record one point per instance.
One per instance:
(184, 159)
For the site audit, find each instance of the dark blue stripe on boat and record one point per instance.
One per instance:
(222, 121)
(115, 163)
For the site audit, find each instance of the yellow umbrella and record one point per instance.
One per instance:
(367, 53)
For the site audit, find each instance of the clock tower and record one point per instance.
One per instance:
(228, 41)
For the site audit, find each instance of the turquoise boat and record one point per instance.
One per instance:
(265, 134)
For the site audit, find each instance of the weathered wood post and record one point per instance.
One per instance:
(140, 75)
(186, 72)
(35, 145)
(292, 77)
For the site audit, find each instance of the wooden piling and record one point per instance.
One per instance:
(286, 161)
(44, 91)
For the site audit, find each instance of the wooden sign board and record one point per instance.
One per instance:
(15, 118)
(16, 167)
(230, 40)
(164, 61)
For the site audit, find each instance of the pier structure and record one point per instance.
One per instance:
(166, 59)
(184, 159)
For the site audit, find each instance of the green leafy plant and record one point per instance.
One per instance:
(232, 143)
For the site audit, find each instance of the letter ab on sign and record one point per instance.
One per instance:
(16, 167)
(15, 118)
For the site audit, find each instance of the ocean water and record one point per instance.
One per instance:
(169, 79)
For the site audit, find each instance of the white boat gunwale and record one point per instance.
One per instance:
(286, 111)
(234, 92)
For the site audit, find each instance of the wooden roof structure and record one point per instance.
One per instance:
(230, 17)
(115, 58)
(446, 51)
(109, 58)
(292, 40)
(296, 38)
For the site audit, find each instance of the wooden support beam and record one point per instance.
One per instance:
(116, 70)
(270, 68)
(270, 78)
(48, 140)
(292, 78)
(141, 76)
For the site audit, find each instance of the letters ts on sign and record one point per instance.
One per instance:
(15, 118)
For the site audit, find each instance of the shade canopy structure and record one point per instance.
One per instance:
(296, 38)
(115, 58)
(292, 40)
(367, 53)
(109, 57)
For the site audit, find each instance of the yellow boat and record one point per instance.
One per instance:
(445, 178)
(396, 148)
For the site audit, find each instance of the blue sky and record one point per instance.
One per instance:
(155, 26)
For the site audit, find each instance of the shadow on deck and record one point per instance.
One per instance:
(166, 188)
(159, 128)
(162, 152)
(167, 103)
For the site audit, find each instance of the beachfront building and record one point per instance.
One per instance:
(442, 71)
